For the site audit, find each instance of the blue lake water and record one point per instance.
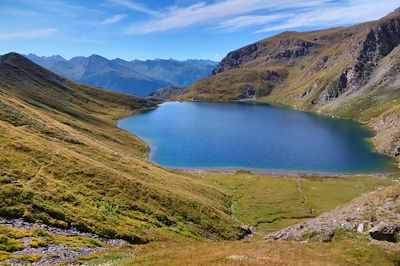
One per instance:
(253, 137)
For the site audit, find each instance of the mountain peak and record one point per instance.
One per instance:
(97, 57)
(394, 13)
(12, 56)
(17, 59)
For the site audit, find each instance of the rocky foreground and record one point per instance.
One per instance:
(375, 215)
(40, 244)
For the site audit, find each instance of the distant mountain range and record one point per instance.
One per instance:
(135, 77)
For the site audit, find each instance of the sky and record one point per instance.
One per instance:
(180, 29)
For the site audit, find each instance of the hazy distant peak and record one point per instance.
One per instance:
(96, 56)
(139, 77)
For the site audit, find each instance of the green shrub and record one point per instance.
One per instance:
(13, 232)
(60, 224)
(341, 234)
(37, 242)
(12, 212)
(41, 233)
(9, 244)
(397, 237)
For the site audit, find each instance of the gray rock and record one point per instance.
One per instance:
(385, 231)
(360, 228)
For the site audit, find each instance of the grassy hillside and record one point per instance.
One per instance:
(64, 163)
(349, 72)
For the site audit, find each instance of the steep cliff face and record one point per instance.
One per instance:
(378, 41)
(267, 52)
(340, 71)
(345, 56)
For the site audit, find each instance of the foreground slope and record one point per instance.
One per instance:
(358, 233)
(64, 163)
(350, 72)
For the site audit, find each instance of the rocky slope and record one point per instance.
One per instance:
(374, 215)
(45, 245)
(168, 92)
(350, 72)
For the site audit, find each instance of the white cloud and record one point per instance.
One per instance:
(182, 17)
(112, 20)
(250, 20)
(353, 11)
(33, 34)
(267, 15)
(136, 7)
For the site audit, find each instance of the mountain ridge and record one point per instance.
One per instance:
(136, 77)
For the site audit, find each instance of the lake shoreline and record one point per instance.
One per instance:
(267, 172)
(391, 165)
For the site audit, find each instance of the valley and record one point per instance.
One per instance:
(77, 187)
(69, 168)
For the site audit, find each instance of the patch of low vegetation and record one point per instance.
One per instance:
(9, 244)
(114, 257)
(14, 232)
(37, 242)
(272, 203)
(78, 241)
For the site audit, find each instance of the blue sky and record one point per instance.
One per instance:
(180, 29)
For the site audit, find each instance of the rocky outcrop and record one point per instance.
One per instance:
(236, 58)
(328, 63)
(168, 92)
(378, 41)
(267, 52)
(386, 231)
(374, 215)
(388, 139)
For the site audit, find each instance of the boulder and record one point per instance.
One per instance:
(385, 231)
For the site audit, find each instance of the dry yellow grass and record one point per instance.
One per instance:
(344, 252)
